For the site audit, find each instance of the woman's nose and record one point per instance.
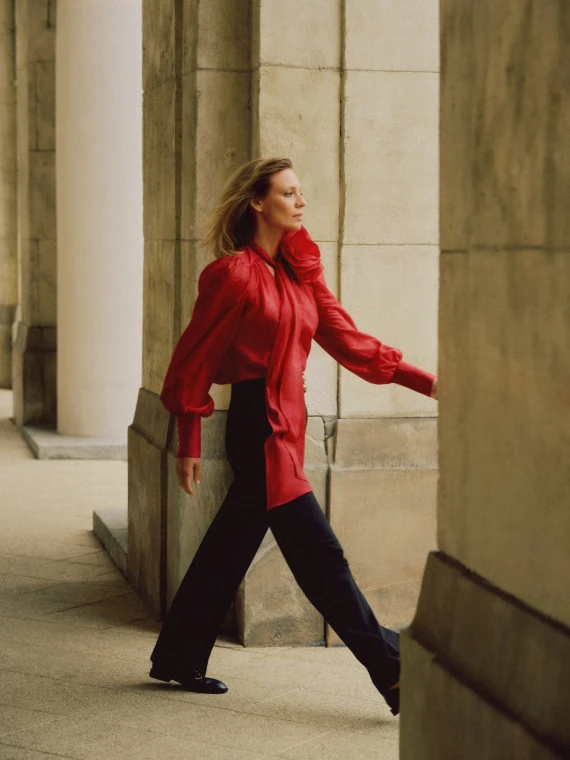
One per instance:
(301, 201)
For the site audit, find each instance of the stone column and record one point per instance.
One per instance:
(99, 198)
(34, 358)
(8, 190)
(487, 658)
(383, 474)
(196, 80)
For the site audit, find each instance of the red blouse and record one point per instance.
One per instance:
(249, 324)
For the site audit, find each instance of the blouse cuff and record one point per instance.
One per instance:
(414, 378)
(189, 436)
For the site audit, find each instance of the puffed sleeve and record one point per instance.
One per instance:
(359, 352)
(222, 294)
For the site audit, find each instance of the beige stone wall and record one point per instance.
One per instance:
(383, 473)
(226, 81)
(492, 628)
(8, 204)
(34, 354)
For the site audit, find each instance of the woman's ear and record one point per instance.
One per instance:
(256, 204)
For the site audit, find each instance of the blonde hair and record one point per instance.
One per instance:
(232, 223)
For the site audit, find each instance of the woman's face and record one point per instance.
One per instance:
(283, 205)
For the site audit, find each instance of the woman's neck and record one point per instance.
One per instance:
(268, 239)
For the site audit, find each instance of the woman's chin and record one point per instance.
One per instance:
(293, 226)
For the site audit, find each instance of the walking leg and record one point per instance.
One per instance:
(208, 588)
(317, 561)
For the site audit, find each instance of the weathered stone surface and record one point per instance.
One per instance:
(160, 162)
(488, 651)
(6, 17)
(190, 516)
(439, 711)
(40, 26)
(299, 117)
(34, 375)
(158, 321)
(5, 356)
(40, 287)
(386, 443)
(48, 444)
(8, 192)
(222, 141)
(321, 380)
(148, 439)
(146, 565)
(390, 147)
(110, 527)
(391, 292)
(467, 622)
(271, 609)
(159, 21)
(224, 40)
(152, 421)
(42, 195)
(312, 41)
(389, 36)
(507, 495)
(385, 521)
(45, 105)
(503, 124)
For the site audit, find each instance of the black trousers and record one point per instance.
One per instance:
(306, 540)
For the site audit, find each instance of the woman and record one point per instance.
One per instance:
(260, 304)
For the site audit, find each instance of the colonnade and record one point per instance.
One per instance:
(71, 213)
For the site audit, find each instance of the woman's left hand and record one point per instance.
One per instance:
(433, 393)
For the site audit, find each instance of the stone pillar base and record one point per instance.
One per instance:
(478, 663)
(383, 494)
(34, 375)
(6, 319)
(49, 444)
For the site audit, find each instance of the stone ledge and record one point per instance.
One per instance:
(515, 656)
(46, 443)
(110, 527)
(444, 717)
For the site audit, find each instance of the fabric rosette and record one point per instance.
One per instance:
(302, 254)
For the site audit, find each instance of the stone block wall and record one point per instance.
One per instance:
(34, 358)
(224, 82)
(8, 194)
(487, 655)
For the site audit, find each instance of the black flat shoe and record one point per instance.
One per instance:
(392, 698)
(196, 682)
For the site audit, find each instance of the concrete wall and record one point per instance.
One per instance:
(8, 194)
(488, 654)
(224, 82)
(34, 359)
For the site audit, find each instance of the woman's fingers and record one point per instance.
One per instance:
(188, 470)
(434, 389)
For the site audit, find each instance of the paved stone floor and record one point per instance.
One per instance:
(75, 642)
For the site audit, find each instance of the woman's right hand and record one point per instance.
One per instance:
(188, 470)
